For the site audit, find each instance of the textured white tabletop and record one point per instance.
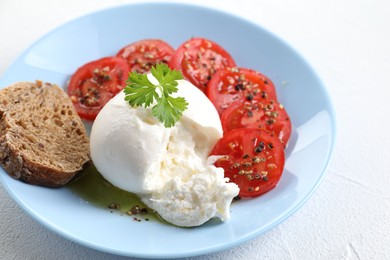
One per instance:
(348, 44)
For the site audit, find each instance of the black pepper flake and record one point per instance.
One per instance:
(135, 210)
(239, 86)
(114, 206)
(236, 198)
(270, 145)
(270, 121)
(249, 113)
(245, 156)
(136, 219)
(249, 97)
(260, 147)
(138, 210)
(265, 178)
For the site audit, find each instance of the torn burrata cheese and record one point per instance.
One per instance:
(168, 168)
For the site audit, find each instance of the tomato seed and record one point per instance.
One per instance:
(264, 173)
(272, 166)
(247, 164)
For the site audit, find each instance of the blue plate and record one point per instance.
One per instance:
(54, 57)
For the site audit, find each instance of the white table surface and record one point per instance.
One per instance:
(348, 44)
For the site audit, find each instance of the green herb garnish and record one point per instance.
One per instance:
(141, 92)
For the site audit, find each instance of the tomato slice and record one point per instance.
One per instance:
(144, 54)
(252, 158)
(199, 59)
(258, 113)
(95, 83)
(229, 84)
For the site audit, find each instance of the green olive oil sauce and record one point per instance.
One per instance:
(93, 188)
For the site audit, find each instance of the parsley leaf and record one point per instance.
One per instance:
(139, 91)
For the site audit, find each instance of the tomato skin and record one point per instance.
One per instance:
(253, 159)
(142, 55)
(199, 59)
(230, 84)
(95, 83)
(258, 113)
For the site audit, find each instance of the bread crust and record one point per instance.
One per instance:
(22, 154)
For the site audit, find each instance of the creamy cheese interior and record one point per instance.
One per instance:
(190, 190)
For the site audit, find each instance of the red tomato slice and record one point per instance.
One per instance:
(143, 55)
(229, 84)
(95, 83)
(253, 159)
(258, 113)
(199, 59)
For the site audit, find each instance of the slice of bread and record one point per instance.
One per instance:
(42, 139)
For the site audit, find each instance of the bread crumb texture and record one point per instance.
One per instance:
(42, 139)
